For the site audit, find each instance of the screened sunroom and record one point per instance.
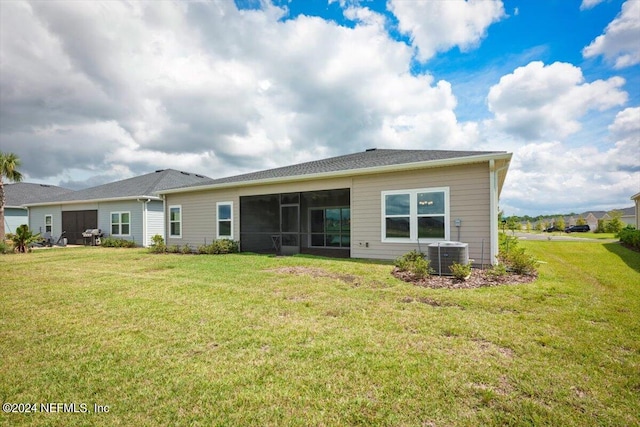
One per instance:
(313, 222)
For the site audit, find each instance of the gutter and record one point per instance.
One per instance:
(81, 201)
(345, 173)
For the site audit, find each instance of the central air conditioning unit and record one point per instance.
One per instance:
(444, 254)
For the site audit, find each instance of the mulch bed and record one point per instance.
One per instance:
(477, 279)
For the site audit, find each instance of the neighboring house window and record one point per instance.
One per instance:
(330, 227)
(409, 215)
(120, 223)
(225, 220)
(175, 221)
(48, 223)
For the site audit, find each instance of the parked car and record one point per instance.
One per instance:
(550, 229)
(578, 229)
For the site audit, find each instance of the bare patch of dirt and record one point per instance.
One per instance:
(477, 279)
(317, 272)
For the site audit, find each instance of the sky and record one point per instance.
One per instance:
(93, 92)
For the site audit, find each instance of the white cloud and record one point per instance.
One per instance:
(588, 4)
(620, 41)
(204, 84)
(538, 101)
(571, 179)
(437, 26)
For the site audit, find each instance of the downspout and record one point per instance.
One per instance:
(493, 184)
(144, 220)
(165, 219)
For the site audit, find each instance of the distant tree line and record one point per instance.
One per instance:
(542, 222)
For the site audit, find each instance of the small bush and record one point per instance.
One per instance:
(4, 248)
(497, 270)
(630, 236)
(519, 261)
(460, 271)
(173, 249)
(516, 259)
(415, 263)
(222, 246)
(186, 250)
(157, 245)
(112, 242)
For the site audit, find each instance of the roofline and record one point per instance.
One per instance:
(75, 202)
(635, 196)
(16, 207)
(347, 172)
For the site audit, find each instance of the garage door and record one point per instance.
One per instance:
(74, 223)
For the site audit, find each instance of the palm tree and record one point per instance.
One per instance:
(9, 162)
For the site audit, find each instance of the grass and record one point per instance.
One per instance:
(240, 340)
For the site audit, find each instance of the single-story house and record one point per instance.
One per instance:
(629, 216)
(130, 209)
(20, 193)
(374, 204)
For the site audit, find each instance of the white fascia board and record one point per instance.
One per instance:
(345, 173)
(79, 202)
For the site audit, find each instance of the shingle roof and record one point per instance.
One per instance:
(20, 193)
(144, 185)
(367, 159)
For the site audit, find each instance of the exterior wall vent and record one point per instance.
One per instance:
(444, 254)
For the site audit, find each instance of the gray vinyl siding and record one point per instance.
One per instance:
(135, 208)
(36, 219)
(14, 218)
(155, 220)
(135, 220)
(469, 200)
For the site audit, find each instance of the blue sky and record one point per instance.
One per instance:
(92, 92)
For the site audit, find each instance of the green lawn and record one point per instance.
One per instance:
(257, 340)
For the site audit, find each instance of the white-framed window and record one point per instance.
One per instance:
(409, 215)
(175, 221)
(120, 223)
(224, 221)
(48, 223)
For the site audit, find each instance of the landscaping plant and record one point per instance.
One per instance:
(23, 238)
(460, 271)
(415, 263)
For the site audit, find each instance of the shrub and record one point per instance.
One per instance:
(415, 263)
(460, 271)
(519, 261)
(4, 248)
(23, 238)
(173, 249)
(112, 242)
(516, 259)
(497, 270)
(157, 245)
(186, 250)
(630, 236)
(222, 246)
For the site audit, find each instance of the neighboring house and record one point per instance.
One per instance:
(629, 216)
(373, 204)
(636, 199)
(20, 193)
(129, 209)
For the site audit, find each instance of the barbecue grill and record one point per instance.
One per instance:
(92, 236)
